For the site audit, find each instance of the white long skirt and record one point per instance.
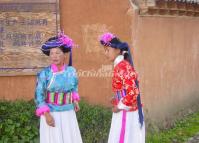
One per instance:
(125, 128)
(66, 128)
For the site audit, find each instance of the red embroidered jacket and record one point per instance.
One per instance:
(124, 77)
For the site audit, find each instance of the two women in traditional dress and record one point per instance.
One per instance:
(57, 96)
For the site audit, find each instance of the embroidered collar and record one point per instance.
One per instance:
(118, 59)
(55, 68)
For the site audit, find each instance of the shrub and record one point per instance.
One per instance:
(18, 123)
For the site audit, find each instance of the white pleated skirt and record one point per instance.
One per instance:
(66, 128)
(125, 128)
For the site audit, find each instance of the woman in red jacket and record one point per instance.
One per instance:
(127, 124)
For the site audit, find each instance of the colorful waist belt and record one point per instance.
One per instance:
(59, 98)
(118, 96)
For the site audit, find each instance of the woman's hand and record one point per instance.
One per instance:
(49, 119)
(115, 109)
(76, 106)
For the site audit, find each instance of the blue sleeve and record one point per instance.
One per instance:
(75, 94)
(40, 89)
(74, 79)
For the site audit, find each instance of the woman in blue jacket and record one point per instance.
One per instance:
(56, 94)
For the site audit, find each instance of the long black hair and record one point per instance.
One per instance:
(124, 48)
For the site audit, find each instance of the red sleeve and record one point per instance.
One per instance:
(129, 76)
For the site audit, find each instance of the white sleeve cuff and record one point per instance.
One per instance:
(122, 106)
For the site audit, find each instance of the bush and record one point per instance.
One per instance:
(94, 123)
(18, 123)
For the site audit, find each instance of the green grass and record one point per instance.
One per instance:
(180, 133)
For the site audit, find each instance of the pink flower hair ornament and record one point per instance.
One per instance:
(65, 40)
(106, 38)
